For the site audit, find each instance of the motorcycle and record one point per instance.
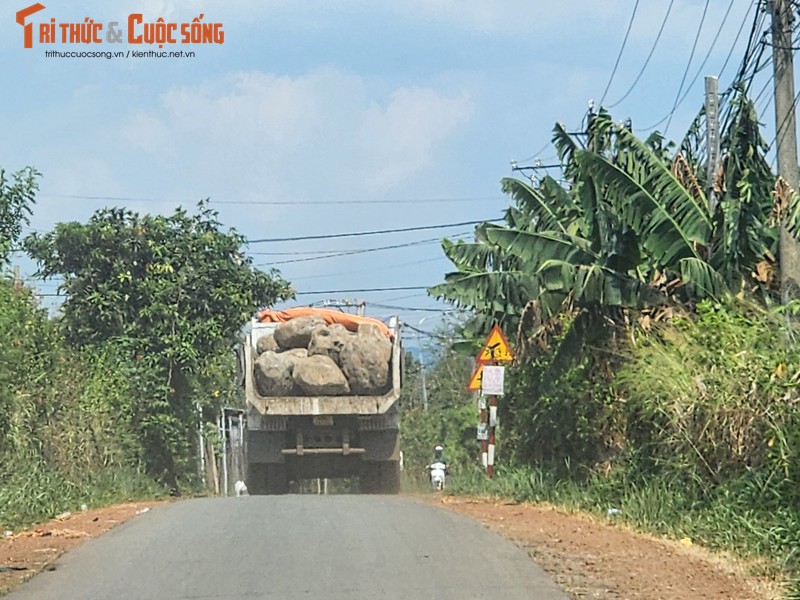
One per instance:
(437, 472)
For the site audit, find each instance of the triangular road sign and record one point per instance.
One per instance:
(496, 348)
(475, 381)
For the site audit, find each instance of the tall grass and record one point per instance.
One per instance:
(66, 435)
(690, 430)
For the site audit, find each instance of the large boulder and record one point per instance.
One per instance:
(294, 355)
(319, 376)
(273, 374)
(296, 333)
(329, 342)
(365, 361)
(266, 342)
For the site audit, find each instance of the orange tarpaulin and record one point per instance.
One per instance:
(331, 316)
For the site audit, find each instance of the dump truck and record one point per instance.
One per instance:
(322, 390)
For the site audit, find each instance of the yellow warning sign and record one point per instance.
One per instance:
(475, 381)
(496, 348)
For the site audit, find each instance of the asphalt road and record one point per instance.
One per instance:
(293, 548)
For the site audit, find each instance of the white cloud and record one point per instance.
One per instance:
(277, 128)
(399, 139)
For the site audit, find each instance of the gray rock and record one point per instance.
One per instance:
(297, 332)
(365, 361)
(266, 342)
(294, 355)
(273, 374)
(319, 376)
(329, 342)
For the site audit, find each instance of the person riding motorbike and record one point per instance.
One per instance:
(438, 469)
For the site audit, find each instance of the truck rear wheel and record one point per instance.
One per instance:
(380, 478)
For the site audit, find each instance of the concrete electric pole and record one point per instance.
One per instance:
(712, 138)
(786, 135)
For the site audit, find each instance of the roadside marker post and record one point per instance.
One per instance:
(483, 432)
(488, 378)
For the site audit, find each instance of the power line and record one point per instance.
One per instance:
(348, 253)
(621, 50)
(708, 54)
(278, 202)
(736, 39)
(783, 122)
(392, 266)
(536, 155)
(758, 24)
(649, 56)
(688, 65)
(337, 202)
(332, 253)
(376, 232)
(741, 72)
(410, 309)
(405, 297)
(350, 291)
(364, 290)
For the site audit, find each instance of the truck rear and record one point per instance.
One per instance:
(321, 390)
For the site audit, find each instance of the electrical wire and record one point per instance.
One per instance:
(405, 297)
(281, 202)
(708, 54)
(688, 65)
(409, 309)
(621, 50)
(347, 253)
(355, 271)
(376, 232)
(788, 115)
(649, 56)
(744, 67)
(310, 293)
(736, 39)
(332, 253)
(537, 154)
(365, 290)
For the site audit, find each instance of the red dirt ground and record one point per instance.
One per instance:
(36, 548)
(592, 559)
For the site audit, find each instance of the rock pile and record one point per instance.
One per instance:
(306, 357)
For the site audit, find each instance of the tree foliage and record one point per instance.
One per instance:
(17, 196)
(171, 291)
(67, 435)
(630, 226)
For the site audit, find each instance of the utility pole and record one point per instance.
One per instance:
(712, 137)
(786, 135)
(18, 284)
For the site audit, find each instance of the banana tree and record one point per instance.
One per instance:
(626, 230)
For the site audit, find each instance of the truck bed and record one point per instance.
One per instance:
(316, 405)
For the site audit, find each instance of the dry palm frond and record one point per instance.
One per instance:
(782, 198)
(683, 172)
(535, 333)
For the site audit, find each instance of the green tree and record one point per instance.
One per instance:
(631, 228)
(17, 196)
(172, 291)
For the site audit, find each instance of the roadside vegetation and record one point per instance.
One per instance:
(656, 373)
(103, 401)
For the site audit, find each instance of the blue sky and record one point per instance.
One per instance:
(399, 105)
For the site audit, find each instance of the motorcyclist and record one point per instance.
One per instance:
(438, 464)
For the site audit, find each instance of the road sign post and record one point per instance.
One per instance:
(488, 378)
